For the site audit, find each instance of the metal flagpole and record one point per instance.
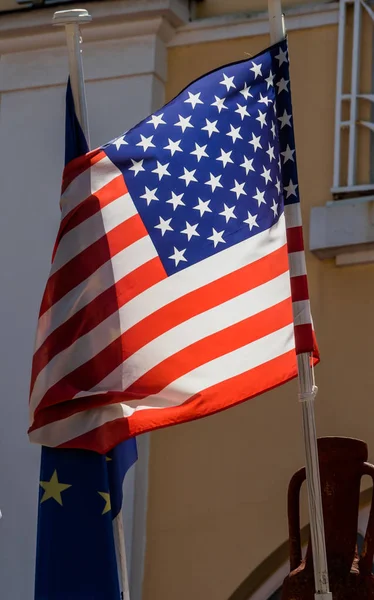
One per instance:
(71, 20)
(307, 393)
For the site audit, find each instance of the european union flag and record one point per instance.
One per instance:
(80, 495)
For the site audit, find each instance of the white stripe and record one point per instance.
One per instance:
(87, 183)
(93, 229)
(215, 267)
(87, 345)
(218, 370)
(301, 312)
(107, 275)
(293, 215)
(212, 373)
(156, 297)
(297, 263)
(197, 328)
(62, 431)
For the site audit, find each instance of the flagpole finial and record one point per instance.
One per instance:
(72, 20)
(75, 15)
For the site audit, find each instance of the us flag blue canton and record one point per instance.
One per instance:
(178, 284)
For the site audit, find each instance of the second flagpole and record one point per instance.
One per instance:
(71, 20)
(307, 393)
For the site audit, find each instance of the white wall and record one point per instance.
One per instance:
(125, 67)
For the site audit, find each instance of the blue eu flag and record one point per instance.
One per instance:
(80, 495)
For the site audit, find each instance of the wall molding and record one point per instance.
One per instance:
(110, 19)
(228, 27)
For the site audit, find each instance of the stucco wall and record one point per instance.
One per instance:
(218, 486)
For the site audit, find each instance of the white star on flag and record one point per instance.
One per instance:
(282, 85)
(266, 175)
(146, 143)
(214, 181)
(245, 91)
(238, 189)
(188, 176)
(247, 164)
(178, 256)
(225, 157)
(228, 213)
(157, 120)
(255, 141)
(173, 146)
(194, 99)
(228, 82)
(251, 221)
(161, 170)
(256, 69)
(274, 208)
(183, 123)
(259, 196)
(270, 152)
(199, 151)
(210, 127)
(234, 133)
(202, 206)
(288, 154)
(285, 119)
(176, 200)
(190, 230)
(149, 195)
(216, 237)
(261, 118)
(164, 225)
(270, 80)
(282, 56)
(264, 100)
(291, 189)
(137, 166)
(119, 142)
(219, 103)
(242, 110)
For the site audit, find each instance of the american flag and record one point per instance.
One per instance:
(178, 282)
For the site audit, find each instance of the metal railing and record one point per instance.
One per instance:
(354, 99)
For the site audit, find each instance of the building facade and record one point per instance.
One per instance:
(205, 506)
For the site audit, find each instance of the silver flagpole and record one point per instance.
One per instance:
(71, 20)
(307, 393)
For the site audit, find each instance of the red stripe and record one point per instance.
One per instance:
(205, 298)
(184, 361)
(90, 206)
(92, 258)
(94, 313)
(212, 400)
(304, 341)
(88, 375)
(295, 239)
(299, 288)
(77, 166)
(213, 346)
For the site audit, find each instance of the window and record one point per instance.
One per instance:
(354, 119)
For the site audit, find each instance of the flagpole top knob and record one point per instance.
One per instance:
(68, 17)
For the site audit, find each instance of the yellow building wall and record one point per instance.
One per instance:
(217, 489)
